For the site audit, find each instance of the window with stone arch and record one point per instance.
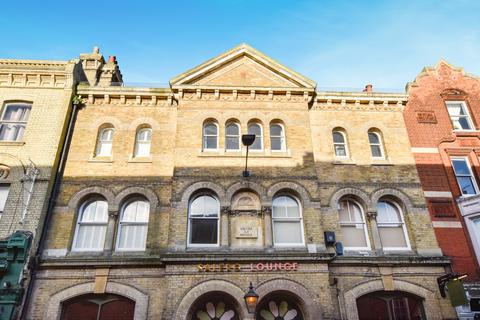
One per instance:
(277, 136)
(279, 306)
(391, 225)
(352, 224)
(214, 306)
(232, 136)
(255, 128)
(133, 224)
(377, 147)
(143, 141)
(91, 226)
(105, 141)
(14, 120)
(99, 307)
(287, 221)
(340, 144)
(210, 135)
(204, 220)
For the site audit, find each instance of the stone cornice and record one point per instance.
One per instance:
(360, 101)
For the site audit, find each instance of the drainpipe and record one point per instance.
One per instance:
(65, 146)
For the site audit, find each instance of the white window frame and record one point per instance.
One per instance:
(282, 137)
(345, 144)
(467, 114)
(261, 136)
(365, 229)
(474, 236)
(472, 177)
(404, 228)
(144, 142)
(380, 144)
(121, 224)
(17, 123)
(189, 235)
(79, 223)
(300, 219)
(100, 141)
(233, 136)
(204, 136)
(7, 187)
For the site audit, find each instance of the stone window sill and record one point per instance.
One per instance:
(12, 143)
(133, 159)
(381, 162)
(95, 159)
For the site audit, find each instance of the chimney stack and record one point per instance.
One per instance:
(368, 88)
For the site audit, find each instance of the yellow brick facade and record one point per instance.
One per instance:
(244, 86)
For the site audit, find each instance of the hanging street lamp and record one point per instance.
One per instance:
(251, 299)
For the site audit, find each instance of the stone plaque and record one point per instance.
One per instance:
(249, 232)
(426, 117)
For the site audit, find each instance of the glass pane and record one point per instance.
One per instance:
(11, 132)
(376, 151)
(392, 237)
(203, 231)
(461, 167)
(136, 211)
(388, 212)
(464, 124)
(340, 150)
(104, 148)
(466, 185)
(90, 237)
(232, 130)
(143, 149)
(338, 137)
(287, 232)
(276, 130)
(276, 143)
(133, 237)
(210, 129)
(144, 135)
(204, 206)
(95, 211)
(354, 236)
(3, 196)
(255, 129)
(16, 112)
(343, 212)
(257, 144)
(284, 206)
(293, 210)
(455, 109)
(232, 143)
(373, 137)
(106, 135)
(210, 142)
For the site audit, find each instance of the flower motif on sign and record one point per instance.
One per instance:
(215, 313)
(279, 312)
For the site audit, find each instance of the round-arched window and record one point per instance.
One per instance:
(133, 225)
(91, 226)
(287, 221)
(203, 221)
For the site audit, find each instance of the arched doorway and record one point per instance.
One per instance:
(279, 306)
(98, 307)
(214, 306)
(383, 305)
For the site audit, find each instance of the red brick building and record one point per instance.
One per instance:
(442, 117)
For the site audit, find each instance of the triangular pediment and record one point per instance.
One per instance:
(242, 66)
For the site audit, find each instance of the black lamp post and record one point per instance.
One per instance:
(251, 299)
(247, 140)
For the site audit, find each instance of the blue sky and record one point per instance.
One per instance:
(339, 44)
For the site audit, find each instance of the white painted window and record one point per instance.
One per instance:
(287, 221)
(376, 145)
(256, 129)
(352, 224)
(143, 142)
(210, 136)
(232, 136)
(204, 221)
(340, 144)
(4, 189)
(391, 226)
(91, 226)
(459, 115)
(463, 173)
(14, 121)
(105, 142)
(277, 137)
(133, 226)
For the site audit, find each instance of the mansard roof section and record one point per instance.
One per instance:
(242, 67)
(436, 70)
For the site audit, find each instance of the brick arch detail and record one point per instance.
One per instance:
(54, 304)
(97, 123)
(359, 194)
(191, 189)
(78, 197)
(247, 185)
(135, 124)
(192, 294)
(351, 296)
(310, 307)
(405, 200)
(147, 193)
(295, 187)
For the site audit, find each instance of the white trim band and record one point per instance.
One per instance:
(437, 194)
(424, 150)
(447, 224)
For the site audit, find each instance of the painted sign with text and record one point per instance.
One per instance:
(252, 267)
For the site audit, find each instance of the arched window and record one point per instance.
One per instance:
(256, 129)
(277, 137)
(210, 136)
(376, 144)
(352, 224)
(203, 221)
(99, 307)
(142, 142)
(104, 142)
(391, 226)
(14, 121)
(91, 226)
(232, 137)
(214, 306)
(340, 144)
(287, 221)
(390, 305)
(279, 306)
(133, 225)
